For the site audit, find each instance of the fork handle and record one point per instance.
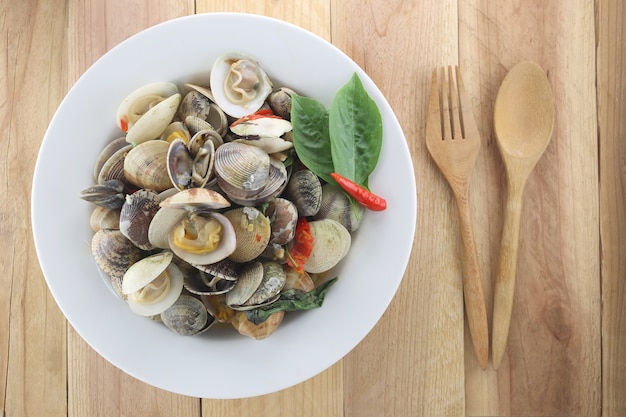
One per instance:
(472, 284)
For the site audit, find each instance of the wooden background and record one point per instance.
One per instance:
(566, 354)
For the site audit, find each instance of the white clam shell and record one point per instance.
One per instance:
(331, 242)
(221, 74)
(154, 122)
(129, 111)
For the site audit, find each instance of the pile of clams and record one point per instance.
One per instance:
(196, 208)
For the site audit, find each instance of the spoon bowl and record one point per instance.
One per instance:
(523, 124)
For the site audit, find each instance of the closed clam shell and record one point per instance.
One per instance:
(194, 104)
(243, 166)
(114, 254)
(113, 167)
(136, 215)
(106, 153)
(331, 243)
(252, 231)
(283, 216)
(273, 281)
(145, 165)
(336, 205)
(275, 184)
(248, 282)
(304, 189)
(109, 194)
(103, 218)
(187, 316)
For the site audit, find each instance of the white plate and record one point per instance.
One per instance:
(221, 363)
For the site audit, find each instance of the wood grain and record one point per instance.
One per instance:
(95, 387)
(611, 69)
(32, 342)
(554, 344)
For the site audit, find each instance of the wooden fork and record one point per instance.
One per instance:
(453, 141)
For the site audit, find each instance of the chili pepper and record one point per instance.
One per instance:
(302, 247)
(258, 115)
(362, 195)
(124, 123)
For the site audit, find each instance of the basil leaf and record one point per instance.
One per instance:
(356, 131)
(311, 140)
(291, 300)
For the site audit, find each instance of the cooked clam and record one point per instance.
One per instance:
(141, 100)
(203, 238)
(252, 230)
(137, 213)
(283, 216)
(152, 284)
(331, 242)
(187, 316)
(114, 254)
(304, 189)
(109, 194)
(103, 218)
(257, 284)
(239, 85)
(106, 153)
(242, 166)
(336, 205)
(145, 165)
(280, 102)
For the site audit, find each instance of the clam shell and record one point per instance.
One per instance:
(239, 85)
(252, 230)
(331, 242)
(283, 216)
(152, 284)
(304, 189)
(196, 199)
(280, 102)
(248, 282)
(242, 166)
(176, 130)
(275, 184)
(152, 124)
(114, 254)
(106, 153)
(136, 215)
(269, 289)
(103, 218)
(194, 104)
(225, 247)
(109, 194)
(162, 222)
(179, 164)
(113, 168)
(201, 283)
(145, 166)
(187, 316)
(139, 101)
(336, 205)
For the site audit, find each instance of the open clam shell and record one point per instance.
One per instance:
(152, 284)
(153, 123)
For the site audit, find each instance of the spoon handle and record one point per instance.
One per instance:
(507, 268)
(472, 285)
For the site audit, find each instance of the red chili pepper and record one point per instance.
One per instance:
(362, 195)
(258, 115)
(302, 247)
(124, 123)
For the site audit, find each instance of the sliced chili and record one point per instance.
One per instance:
(258, 115)
(302, 247)
(361, 194)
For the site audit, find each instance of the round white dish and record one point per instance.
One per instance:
(220, 363)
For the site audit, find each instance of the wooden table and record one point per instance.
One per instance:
(567, 347)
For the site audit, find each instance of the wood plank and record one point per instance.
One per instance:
(611, 70)
(323, 394)
(95, 387)
(412, 362)
(32, 329)
(552, 362)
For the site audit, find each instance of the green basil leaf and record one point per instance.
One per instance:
(311, 140)
(292, 300)
(356, 131)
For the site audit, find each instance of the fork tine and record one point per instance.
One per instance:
(445, 107)
(467, 118)
(454, 106)
(433, 123)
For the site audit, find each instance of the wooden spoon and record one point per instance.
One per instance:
(523, 124)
